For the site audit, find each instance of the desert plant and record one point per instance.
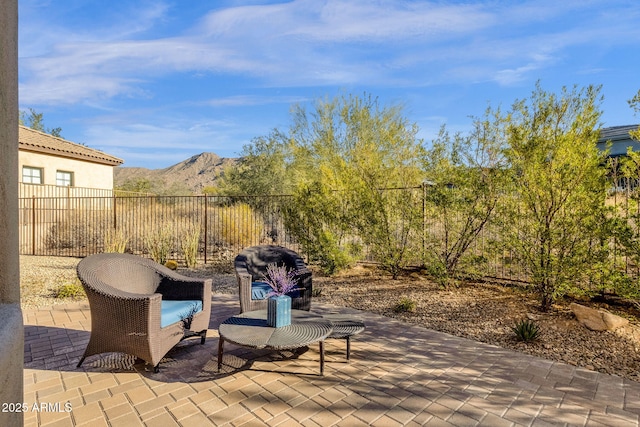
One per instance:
(115, 241)
(158, 242)
(239, 225)
(315, 218)
(551, 214)
(190, 244)
(72, 228)
(405, 305)
(526, 330)
(69, 290)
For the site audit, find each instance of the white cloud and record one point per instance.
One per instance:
(311, 43)
(252, 100)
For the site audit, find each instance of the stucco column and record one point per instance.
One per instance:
(11, 326)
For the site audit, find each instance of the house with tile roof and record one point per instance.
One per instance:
(619, 138)
(51, 167)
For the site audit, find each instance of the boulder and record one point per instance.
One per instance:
(597, 319)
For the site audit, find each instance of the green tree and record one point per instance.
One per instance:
(635, 104)
(356, 153)
(466, 175)
(559, 186)
(262, 168)
(35, 120)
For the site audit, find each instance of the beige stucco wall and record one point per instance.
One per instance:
(85, 174)
(11, 326)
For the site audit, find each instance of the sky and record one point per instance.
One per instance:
(156, 82)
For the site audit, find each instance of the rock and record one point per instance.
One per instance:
(597, 320)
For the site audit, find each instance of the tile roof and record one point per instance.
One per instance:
(616, 133)
(33, 140)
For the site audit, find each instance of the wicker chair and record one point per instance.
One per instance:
(251, 266)
(140, 307)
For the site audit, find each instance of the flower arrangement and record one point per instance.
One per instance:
(281, 280)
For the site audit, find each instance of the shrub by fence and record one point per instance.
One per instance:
(188, 228)
(208, 228)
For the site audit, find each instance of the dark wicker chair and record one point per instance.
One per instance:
(130, 296)
(251, 266)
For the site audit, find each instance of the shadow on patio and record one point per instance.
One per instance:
(399, 374)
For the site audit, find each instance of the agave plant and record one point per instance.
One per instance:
(526, 330)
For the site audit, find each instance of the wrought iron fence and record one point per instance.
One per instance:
(80, 226)
(222, 226)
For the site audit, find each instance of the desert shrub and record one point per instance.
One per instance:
(314, 218)
(238, 225)
(190, 244)
(526, 330)
(73, 231)
(158, 241)
(70, 290)
(115, 241)
(405, 305)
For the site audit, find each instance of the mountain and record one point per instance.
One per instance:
(195, 173)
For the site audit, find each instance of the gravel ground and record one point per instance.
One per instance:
(479, 311)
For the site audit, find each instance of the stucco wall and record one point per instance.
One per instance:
(11, 326)
(85, 174)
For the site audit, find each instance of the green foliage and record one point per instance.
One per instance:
(139, 185)
(190, 244)
(553, 207)
(115, 241)
(239, 225)
(159, 242)
(466, 175)
(314, 217)
(70, 290)
(635, 104)
(336, 161)
(353, 153)
(157, 187)
(526, 330)
(405, 305)
(35, 120)
(262, 168)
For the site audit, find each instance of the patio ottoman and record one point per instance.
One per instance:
(344, 327)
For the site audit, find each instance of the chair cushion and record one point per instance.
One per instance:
(172, 311)
(260, 290)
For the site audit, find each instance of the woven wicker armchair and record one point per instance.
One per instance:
(140, 307)
(251, 266)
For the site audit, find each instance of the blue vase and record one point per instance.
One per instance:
(278, 311)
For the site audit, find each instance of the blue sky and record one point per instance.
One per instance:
(155, 82)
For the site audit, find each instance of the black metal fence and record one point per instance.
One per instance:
(151, 225)
(215, 228)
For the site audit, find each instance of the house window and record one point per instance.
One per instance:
(31, 175)
(64, 179)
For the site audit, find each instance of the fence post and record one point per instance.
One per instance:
(115, 214)
(424, 223)
(206, 228)
(33, 225)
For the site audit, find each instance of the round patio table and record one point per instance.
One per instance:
(250, 330)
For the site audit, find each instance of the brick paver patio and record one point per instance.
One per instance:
(399, 374)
